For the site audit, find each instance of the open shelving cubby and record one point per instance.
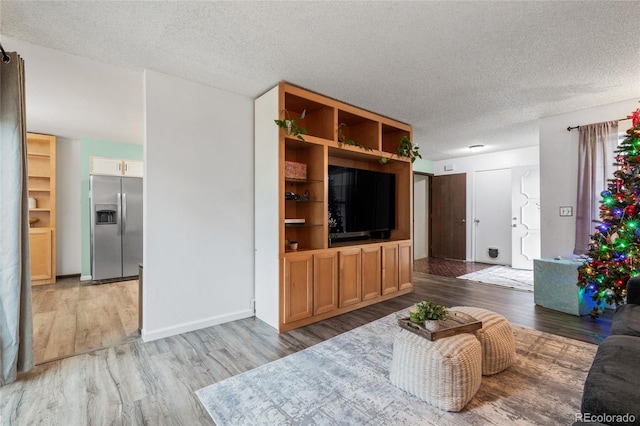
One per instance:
(391, 136)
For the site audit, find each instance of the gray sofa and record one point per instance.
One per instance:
(612, 387)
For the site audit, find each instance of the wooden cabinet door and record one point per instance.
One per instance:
(405, 264)
(390, 274)
(350, 283)
(371, 272)
(298, 287)
(325, 282)
(40, 243)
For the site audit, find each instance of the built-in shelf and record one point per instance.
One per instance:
(321, 279)
(41, 172)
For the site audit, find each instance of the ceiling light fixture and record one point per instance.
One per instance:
(476, 148)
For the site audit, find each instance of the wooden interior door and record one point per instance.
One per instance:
(448, 216)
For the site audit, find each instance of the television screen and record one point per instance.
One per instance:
(361, 200)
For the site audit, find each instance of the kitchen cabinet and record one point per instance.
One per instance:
(132, 168)
(115, 167)
(40, 248)
(105, 166)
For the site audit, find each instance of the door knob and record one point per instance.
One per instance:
(477, 221)
(515, 218)
(514, 226)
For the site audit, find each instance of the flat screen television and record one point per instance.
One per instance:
(361, 202)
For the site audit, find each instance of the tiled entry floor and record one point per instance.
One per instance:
(447, 268)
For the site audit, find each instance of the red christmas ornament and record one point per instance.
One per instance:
(635, 117)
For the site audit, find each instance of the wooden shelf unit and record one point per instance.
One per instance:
(41, 173)
(298, 287)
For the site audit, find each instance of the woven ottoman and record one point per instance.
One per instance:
(496, 338)
(446, 372)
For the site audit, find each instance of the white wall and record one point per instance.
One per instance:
(68, 258)
(472, 164)
(199, 207)
(559, 172)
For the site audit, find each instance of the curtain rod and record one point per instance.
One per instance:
(577, 127)
(5, 58)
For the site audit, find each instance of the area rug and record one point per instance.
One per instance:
(345, 381)
(519, 279)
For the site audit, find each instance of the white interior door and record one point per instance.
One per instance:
(420, 209)
(525, 224)
(492, 222)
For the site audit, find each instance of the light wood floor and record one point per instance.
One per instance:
(73, 317)
(154, 383)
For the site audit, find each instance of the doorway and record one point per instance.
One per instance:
(492, 217)
(507, 216)
(73, 317)
(448, 205)
(421, 183)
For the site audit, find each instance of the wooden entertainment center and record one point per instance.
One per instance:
(318, 279)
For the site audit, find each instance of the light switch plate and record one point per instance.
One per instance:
(566, 211)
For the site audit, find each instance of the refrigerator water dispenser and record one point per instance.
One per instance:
(106, 214)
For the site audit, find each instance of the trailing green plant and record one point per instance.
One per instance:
(343, 140)
(405, 149)
(428, 311)
(290, 125)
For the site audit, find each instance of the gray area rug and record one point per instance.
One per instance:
(519, 279)
(345, 381)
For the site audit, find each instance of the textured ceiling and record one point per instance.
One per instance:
(462, 73)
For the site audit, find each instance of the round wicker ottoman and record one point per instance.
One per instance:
(446, 372)
(496, 338)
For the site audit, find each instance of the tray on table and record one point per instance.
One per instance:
(456, 323)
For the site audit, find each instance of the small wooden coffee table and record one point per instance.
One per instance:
(456, 323)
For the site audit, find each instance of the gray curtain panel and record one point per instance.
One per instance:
(16, 326)
(596, 155)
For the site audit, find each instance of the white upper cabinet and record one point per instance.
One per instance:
(115, 167)
(132, 168)
(105, 166)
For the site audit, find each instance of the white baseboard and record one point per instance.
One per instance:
(85, 278)
(161, 333)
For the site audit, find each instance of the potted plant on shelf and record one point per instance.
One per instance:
(290, 125)
(343, 140)
(406, 148)
(427, 314)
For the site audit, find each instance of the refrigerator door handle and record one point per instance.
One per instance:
(119, 215)
(124, 213)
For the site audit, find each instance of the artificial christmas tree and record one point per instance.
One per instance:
(614, 250)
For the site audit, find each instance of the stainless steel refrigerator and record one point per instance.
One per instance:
(116, 226)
